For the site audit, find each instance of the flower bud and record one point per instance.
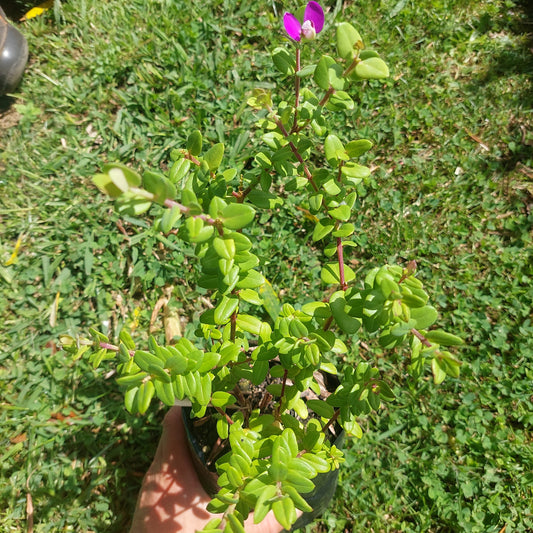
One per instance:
(308, 30)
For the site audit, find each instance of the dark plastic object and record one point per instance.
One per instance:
(13, 55)
(319, 499)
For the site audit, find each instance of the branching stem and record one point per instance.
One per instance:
(331, 421)
(421, 337)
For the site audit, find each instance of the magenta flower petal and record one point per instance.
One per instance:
(292, 26)
(315, 14)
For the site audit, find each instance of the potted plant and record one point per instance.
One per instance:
(269, 376)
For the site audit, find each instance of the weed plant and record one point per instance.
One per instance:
(120, 81)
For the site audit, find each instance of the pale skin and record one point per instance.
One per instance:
(172, 499)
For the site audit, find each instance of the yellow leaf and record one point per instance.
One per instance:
(13, 259)
(39, 10)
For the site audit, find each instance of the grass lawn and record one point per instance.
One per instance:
(452, 188)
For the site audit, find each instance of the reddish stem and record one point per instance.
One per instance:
(297, 154)
(324, 100)
(283, 384)
(225, 415)
(340, 257)
(421, 337)
(185, 210)
(233, 326)
(113, 348)
(332, 420)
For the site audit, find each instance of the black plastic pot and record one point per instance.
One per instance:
(318, 499)
(13, 55)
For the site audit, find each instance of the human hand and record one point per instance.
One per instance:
(172, 498)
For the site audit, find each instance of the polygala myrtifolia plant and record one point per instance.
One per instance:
(275, 445)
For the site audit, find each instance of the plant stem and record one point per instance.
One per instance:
(296, 153)
(283, 384)
(332, 420)
(113, 348)
(186, 210)
(421, 337)
(325, 99)
(233, 326)
(340, 257)
(225, 415)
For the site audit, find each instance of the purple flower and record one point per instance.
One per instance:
(313, 23)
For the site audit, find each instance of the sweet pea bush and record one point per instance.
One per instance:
(275, 447)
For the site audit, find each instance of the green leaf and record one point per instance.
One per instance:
(144, 396)
(263, 504)
(179, 170)
(373, 68)
(328, 74)
(165, 392)
(300, 482)
(213, 157)
(160, 186)
(251, 280)
(106, 185)
(321, 408)
(358, 147)
(120, 172)
(334, 150)
(331, 186)
(194, 143)
(284, 61)
(237, 216)
(225, 248)
(263, 199)
(212, 526)
(342, 212)
(130, 380)
(216, 206)
(134, 203)
(129, 399)
(285, 512)
(250, 296)
(330, 274)
(169, 218)
(144, 359)
(225, 309)
(322, 228)
(450, 364)
(197, 230)
(235, 525)
(298, 500)
(384, 391)
(259, 372)
(349, 42)
(424, 316)
(353, 170)
(347, 323)
(439, 373)
(249, 323)
(438, 336)
(260, 99)
(209, 361)
(324, 339)
(340, 100)
(222, 399)
(352, 428)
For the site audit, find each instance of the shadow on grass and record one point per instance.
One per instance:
(511, 59)
(15, 9)
(95, 468)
